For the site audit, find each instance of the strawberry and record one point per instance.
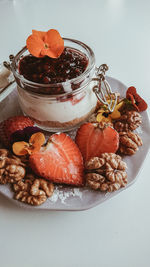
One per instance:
(11, 125)
(93, 140)
(60, 161)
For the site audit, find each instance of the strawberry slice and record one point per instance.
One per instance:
(93, 140)
(60, 161)
(11, 125)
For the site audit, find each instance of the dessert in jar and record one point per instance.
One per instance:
(54, 87)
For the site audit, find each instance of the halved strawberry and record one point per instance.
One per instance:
(93, 140)
(11, 125)
(60, 161)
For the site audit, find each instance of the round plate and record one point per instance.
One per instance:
(73, 198)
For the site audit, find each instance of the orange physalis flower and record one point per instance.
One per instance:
(49, 43)
(35, 143)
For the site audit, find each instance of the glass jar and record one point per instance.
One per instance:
(61, 112)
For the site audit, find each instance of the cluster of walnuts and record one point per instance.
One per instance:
(27, 187)
(129, 141)
(107, 173)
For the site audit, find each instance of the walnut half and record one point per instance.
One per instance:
(11, 168)
(106, 173)
(129, 143)
(129, 121)
(33, 190)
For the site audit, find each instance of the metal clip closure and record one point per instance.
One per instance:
(103, 90)
(7, 64)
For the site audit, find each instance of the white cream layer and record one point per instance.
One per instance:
(46, 110)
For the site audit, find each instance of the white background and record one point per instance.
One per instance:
(117, 232)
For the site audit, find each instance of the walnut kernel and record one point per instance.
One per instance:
(129, 143)
(33, 190)
(129, 121)
(106, 173)
(11, 167)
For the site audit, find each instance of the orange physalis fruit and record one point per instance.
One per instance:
(49, 43)
(34, 145)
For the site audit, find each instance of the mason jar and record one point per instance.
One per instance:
(58, 112)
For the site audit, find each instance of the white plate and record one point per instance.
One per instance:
(68, 198)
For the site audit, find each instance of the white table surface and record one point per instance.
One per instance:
(117, 232)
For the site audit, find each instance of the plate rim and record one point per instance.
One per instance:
(98, 202)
